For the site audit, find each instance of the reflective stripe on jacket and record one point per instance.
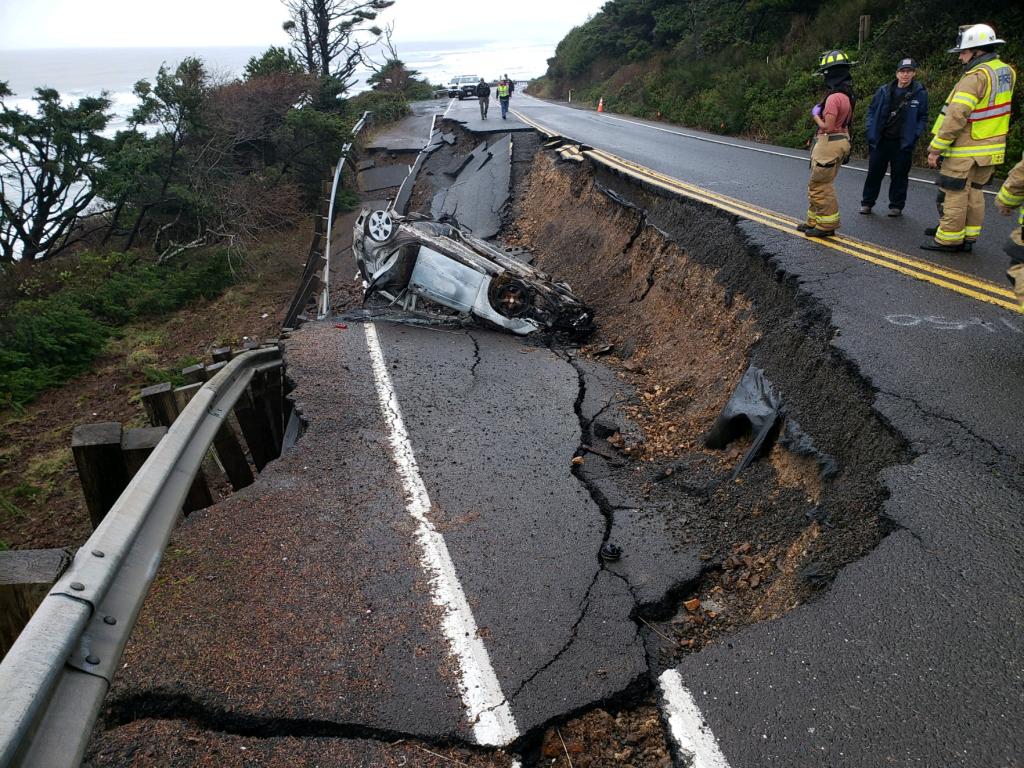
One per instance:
(980, 100)
(1011, 194)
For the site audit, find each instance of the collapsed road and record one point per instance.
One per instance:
(768, 514)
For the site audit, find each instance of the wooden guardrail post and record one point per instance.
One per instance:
(162, 407)
(101, 468)
(25, 578)
(137, 444)
(225, 444)
(194, 374)
(221, 354)
(160, 404)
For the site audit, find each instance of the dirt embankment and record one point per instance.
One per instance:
(41, 503)
(685, 304)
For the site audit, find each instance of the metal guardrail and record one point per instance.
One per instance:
(56, 675)
(315, 270)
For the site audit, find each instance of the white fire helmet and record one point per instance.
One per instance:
(975, 36)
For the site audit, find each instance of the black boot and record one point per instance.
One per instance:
(931, 245)
(815, 232)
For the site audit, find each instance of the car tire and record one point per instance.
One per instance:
(511, 298)
(380, 226)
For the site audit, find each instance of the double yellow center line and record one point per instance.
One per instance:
(951, 279)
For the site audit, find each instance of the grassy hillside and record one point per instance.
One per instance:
(746, 67)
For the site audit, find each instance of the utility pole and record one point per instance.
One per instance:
(864, 31)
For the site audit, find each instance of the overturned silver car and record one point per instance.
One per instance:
(405, 258)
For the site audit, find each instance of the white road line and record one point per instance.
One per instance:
(486, 707)
(692, 735)
(803, 159)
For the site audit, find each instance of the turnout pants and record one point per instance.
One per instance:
(484, 101)
(1015, 250)
(960, 200)
(888, 154)
(826, 158)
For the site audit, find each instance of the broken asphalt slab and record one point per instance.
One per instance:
(411, 133)
(480, 190)
(382, 177)
(301, 598)
(770, 693)
(496, 456)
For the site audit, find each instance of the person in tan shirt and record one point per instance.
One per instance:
(970, 139)
(833, 116)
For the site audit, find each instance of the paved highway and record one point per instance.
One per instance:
(424, 565)
(772, 177)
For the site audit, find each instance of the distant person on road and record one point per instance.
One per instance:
(483, 95)
(833, 116)
(1011, 195)
(970, 139)
(897, 118)
(504, 94)
(511, 83)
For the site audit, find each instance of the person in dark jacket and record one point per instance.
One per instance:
(897, 117)
(483, 95)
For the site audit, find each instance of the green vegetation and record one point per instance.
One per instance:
(46, 341)
(159, 213)
(747, 66)
(202, 162)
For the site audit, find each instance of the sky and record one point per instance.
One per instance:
(169, 23)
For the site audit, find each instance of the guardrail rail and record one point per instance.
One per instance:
(57, 673)
(318, 264)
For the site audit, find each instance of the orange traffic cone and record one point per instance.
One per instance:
(600, 104)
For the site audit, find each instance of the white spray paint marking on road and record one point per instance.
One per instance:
(939, 323)
(692, 735)
(486, 706)
(709, 140)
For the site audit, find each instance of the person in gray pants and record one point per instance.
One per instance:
(483, 95)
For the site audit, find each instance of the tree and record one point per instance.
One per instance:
(273, 61)
(48, 163)
(392, 75)
(330, 36)
(174, 105)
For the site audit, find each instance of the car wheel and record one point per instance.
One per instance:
(380, 226)
(512, 299)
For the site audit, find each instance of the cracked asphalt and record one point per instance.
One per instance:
(915, 655)
(294, 621)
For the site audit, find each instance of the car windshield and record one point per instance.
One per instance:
(470, 79)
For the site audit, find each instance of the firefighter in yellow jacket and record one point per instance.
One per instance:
(970, 139)
(1011, 195)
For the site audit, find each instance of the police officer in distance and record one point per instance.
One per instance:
(970, 138)
(897, 118)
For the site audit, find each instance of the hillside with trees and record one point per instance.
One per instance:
(168, 210)
(747, 67)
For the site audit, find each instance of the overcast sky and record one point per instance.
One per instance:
(167, 23)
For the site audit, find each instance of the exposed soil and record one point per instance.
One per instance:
(41, 503)
(600, 739)
(685, 303)
(174, 743)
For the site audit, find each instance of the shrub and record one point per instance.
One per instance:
(46, 341)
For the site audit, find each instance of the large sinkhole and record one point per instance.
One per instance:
(751, 510)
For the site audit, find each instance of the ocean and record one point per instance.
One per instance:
(77, 72)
